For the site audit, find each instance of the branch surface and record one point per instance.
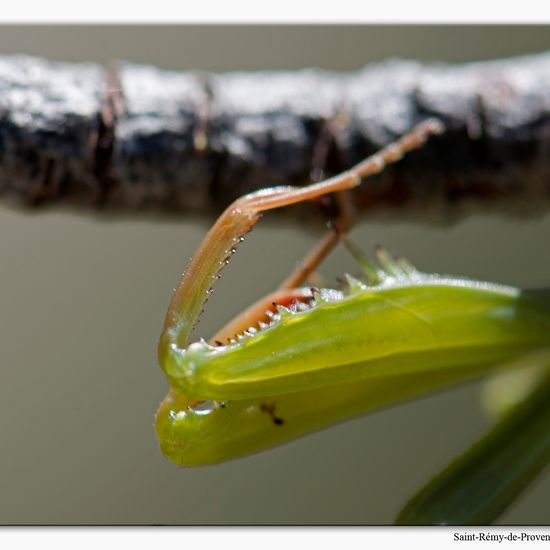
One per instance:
(133, 138)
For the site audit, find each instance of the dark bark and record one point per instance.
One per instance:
(136, 138)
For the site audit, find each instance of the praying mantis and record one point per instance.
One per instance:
(307, 356)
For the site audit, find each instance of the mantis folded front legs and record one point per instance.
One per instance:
(303, 358)
(239, 218)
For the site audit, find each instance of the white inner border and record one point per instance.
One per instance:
(276, 12)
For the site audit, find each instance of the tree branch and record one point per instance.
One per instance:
(136, 138)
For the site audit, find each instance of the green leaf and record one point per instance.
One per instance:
(477, 487)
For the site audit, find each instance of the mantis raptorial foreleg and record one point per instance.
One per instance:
(240, 217)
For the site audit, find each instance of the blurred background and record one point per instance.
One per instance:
(83, 298)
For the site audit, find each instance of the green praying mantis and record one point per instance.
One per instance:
(307, 356)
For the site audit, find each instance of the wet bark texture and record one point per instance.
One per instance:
(135, 138)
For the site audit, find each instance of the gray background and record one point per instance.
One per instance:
(83, 298)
